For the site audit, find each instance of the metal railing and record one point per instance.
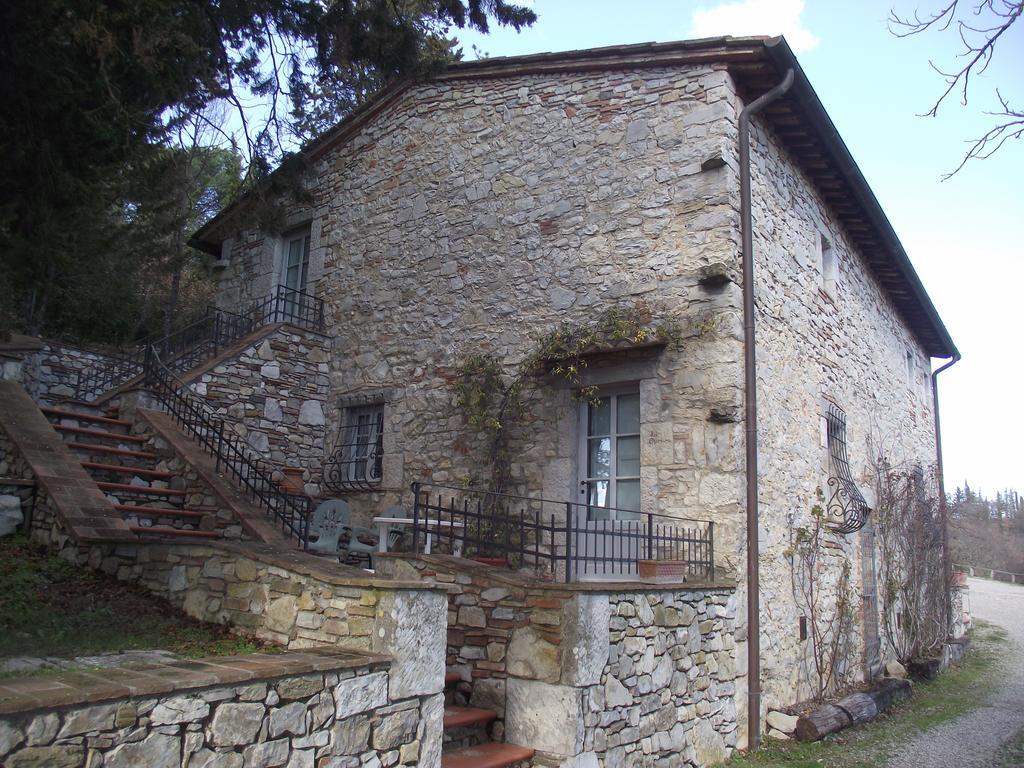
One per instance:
(559, 539)
(203, 339)
(994, 574)
(258, 478)
(354, 466)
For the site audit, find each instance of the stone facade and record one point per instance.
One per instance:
(621, 678)
(843, 341)
(331, 710)
(274, 395)
(475, 215)
(497, 248)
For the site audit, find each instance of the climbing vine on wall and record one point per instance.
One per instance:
(912, 577)
(823, 594)
(491, 396)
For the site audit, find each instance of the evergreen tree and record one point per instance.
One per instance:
(92, 89)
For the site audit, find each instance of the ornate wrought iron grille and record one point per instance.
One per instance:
(357, 460)
(845, 501)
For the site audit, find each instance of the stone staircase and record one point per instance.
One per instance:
(152, 501)
(467, 736)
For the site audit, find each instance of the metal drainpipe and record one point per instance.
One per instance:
(947, 565)
(750, 386)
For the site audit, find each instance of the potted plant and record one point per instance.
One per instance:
(293, 481)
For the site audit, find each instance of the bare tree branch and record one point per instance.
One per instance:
(978, 39)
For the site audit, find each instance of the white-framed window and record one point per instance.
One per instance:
(829, 266)
(295, 259)
(363, 450)
(610, 455)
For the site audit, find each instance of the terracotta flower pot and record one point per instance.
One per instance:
(662, 570)
(293, 482)
(496, 562)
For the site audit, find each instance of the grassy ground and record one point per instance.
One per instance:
(49, 607)
(961, 688)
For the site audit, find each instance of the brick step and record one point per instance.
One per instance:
(139, 489)
(450, 678)
(163, 530)
(100, 433)
(111, 451)
(155, 474)
(191, 514)
(61, 413)
(490, 755)
(460, 717)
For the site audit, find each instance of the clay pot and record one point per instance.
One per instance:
(293, 482)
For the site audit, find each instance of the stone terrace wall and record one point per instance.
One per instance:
(274, 394)
(620, 674)
(49, 369)
(289, 598)
(300, 709)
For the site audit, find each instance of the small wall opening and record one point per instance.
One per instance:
(829, 267)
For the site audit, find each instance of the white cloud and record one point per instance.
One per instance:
(756, 17)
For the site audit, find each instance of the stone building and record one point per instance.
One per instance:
(481, 209)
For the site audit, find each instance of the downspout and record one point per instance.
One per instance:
(750, 396)
(947, 564)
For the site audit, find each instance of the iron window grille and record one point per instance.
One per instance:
(846, 504)
(358, 457)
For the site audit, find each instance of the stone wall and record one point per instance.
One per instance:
(474, 216)
(615, 674)
(274, 395)
(49, 369)
(299, 709)
(289, 598)
(16, 482)
(820, 341)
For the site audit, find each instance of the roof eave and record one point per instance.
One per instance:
(782, 57)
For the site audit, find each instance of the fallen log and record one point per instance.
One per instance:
(859, 706)
(890, 691)
(854, 709)
(826, 719)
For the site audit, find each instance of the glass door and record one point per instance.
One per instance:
(608, 516)
(610, 469)
(297, 262)
(296, 272)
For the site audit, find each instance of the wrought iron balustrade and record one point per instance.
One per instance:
(203, 339)
(555, 539)
(260, 480)
(288, 305)
(354, 466)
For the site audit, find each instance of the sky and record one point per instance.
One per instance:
(963, 235)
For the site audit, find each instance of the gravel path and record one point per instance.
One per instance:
(972, 740)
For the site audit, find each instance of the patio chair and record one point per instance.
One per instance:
(330, 520)
(395, 534)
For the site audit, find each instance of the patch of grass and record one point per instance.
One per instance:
(960, 689)
(49, 607)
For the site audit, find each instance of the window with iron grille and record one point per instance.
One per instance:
(846, 504)
(357, 460)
